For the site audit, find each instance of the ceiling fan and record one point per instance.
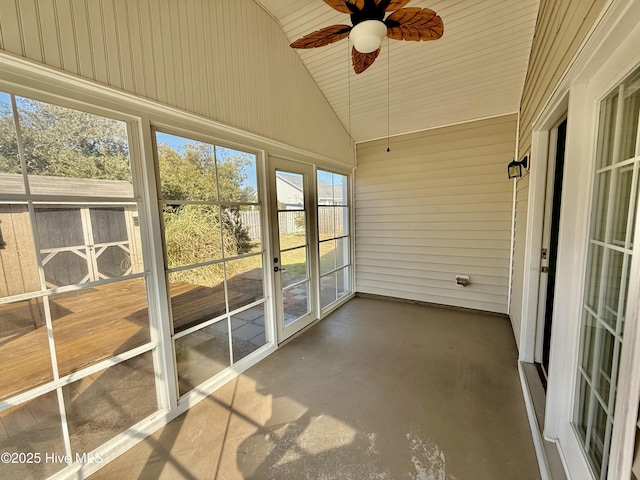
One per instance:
(370, 27)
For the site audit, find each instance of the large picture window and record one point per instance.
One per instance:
(213, 255)
(334, 237)
(76, 352)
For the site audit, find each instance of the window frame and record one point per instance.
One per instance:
(140, 200)
(186, 399)
(43, 83)
(350, 266)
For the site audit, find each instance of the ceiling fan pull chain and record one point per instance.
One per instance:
(349, 83)
(388, 90)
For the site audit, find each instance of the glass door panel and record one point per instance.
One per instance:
(293, 264)
(609, 259)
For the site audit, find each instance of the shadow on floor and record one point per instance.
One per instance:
(378, 390)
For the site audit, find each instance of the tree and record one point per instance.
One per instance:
(201, 173)
(9, 160)
(61, 142)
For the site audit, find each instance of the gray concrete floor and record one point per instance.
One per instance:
(378, 390)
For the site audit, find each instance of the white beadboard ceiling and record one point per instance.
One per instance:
(476, 70)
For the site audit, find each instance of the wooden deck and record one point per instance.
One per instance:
(92, 325)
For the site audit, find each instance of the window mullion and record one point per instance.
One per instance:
(21, 152)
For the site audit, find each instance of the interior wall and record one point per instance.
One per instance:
(561, 28)
(438, 205)
(226, 60)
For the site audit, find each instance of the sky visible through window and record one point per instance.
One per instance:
(180, 144)
(325, 177)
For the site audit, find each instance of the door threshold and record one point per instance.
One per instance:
(298, 333)
(551, 467)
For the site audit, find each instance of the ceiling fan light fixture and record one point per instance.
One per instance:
(367, 36)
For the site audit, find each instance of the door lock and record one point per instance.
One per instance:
(544, 269)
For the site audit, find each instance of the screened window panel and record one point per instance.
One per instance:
(18, 259)
(192, 234)
(25, 357)
(297, 302)
(245, 282)
(248, 332)
(65, 144)
(187, 169)
(105, 404)
(334, 242)
(94, 324)
(197, 295)
(237, 175)
(24, 432)
(10, 168)
(214, 253)
(202, 354)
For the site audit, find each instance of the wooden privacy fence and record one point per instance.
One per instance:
(292, 223)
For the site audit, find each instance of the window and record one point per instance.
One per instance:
(334, 237)
(213, 255)
(75, 342)
(609, 259)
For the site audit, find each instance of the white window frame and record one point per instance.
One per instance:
(30, 79)
(139, 197)
(607, 56)
(351, 234)
(192, 397)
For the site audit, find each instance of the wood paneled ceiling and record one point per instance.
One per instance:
(476, 70)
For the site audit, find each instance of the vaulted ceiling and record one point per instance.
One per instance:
(476, 70)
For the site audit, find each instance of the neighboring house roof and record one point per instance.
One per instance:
(291, 179)
(326, 192)
(45, 185)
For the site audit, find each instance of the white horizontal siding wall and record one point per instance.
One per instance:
(227, 60)
(561, 27)
(438, 205)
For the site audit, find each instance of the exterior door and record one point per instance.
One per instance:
(555, 173)
(605, 314)
(294, 235)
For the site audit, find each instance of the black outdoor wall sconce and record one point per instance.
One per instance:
(514, 169)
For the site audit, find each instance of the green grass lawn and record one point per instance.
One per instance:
(295, 261)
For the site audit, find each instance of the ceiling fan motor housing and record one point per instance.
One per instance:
(367, 36)
(370, 11)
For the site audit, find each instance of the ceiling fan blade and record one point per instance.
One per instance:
(393, 4)
(362, 61)
(414, 24)
(346, 6)
(322, 37)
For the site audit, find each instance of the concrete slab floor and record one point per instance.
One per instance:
(378, 390)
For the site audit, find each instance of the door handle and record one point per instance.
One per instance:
(279, 269)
